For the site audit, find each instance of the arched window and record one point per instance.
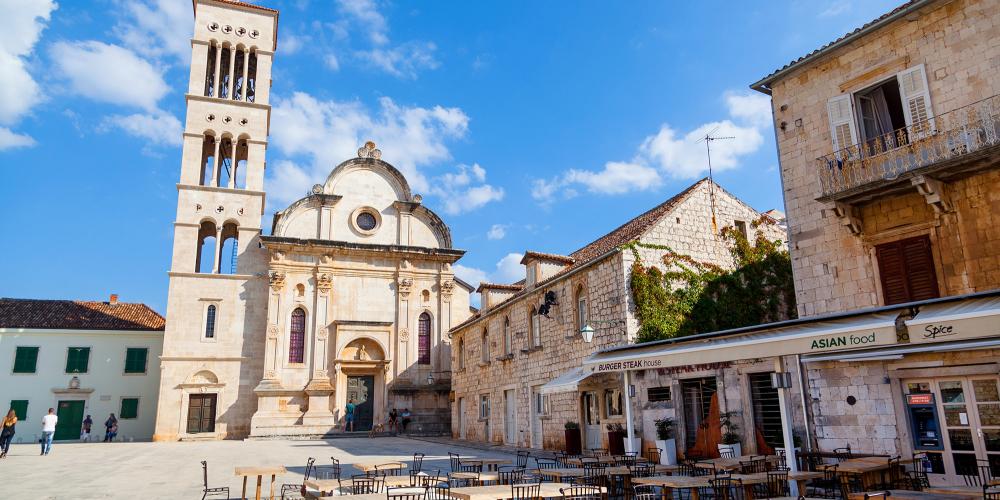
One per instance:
(251, 75)
(238, 69)
(297, 337)
(224, 76)
(210, 322)
(508, 342)
(425, 296)
(424, 339)
(461, 354)
(536, 329)
(240, 165)
(226, 166)
(581, 308)
(208, 154)
(205, 258)
(229, 249)
(485, 346)
(210, 70)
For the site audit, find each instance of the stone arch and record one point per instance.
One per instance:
(363, 349)
(402, 187)
(204, 376)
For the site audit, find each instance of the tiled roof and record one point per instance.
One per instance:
(242, 4)
(549, 257)
(499, 286)
(77, 315)
(596, 249)
(865, 28)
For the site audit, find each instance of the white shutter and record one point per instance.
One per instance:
(916, 98)
(842, 128)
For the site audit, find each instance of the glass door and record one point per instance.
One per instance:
(958, 427)
(987, 413)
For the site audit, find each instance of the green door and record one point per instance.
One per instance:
(70, 415)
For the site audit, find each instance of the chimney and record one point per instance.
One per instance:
(113, 300)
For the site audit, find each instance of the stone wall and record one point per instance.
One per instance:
(834, 270)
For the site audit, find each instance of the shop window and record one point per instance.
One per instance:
(766, 409)
(25, 359)
(906, 270)
(613, 403)
(20, 407)
(658, 394)
(135, 359)
(696, 396)
(77, 359)
(129, 409)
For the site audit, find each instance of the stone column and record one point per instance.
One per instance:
(444, 319)
(216, 163)
(319, 389)
(233, 146)
(402, 357)
(217, 261)
(277, 282)
(246, 74)
(217, 77)
(232, 72)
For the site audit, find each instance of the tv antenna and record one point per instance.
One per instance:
(711, 182)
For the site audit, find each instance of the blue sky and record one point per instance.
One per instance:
(525, 125)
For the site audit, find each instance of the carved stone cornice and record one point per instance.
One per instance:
(404, 285)
(277, 280)
(324, 283)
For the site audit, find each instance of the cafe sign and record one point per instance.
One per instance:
(963, 320)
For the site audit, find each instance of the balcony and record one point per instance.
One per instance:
(950, 144)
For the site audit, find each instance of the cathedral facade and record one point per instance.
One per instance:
(350, 296)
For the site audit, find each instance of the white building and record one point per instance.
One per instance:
(82, 358)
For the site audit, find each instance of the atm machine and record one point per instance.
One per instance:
(925, 429)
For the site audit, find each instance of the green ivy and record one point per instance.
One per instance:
(686, 296)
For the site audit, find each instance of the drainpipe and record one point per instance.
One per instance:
(629, 428)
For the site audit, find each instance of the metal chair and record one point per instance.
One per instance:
(206, 491)
(418, 462)
(581, 492)
(405, 493)
(455, 460)
(470, 466)
(642, 470)
(978, 475)
(328, 472)
(653, 455)
(991, 492)
(843, 453)
(921, 464)
(289, 491)
(388, 469)
(726, 488)
(440, 491)
(727, 452)
(828, 486)
(754, 466)
(777, 484)
(686, 468)
(645, 492)
(362, 484)
(525, 491)
(522, 458)
(599, 452)
(510, 474)
(595, 475)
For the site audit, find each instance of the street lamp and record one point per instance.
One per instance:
(587, 332)
(430, 376)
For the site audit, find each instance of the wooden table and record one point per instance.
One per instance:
(562, 473)
(730, 464)
(504, 492)
(799, 477)
(260, 471)
(866, 467)
(603, 459)
(370, 466)
(366, 496)
(481, 477)
(669, 483)
(490, 463)
(922, 495)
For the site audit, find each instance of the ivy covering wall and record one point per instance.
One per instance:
(683, 296)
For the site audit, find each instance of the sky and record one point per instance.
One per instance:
(524, 125)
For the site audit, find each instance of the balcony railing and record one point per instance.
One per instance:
(961, 132)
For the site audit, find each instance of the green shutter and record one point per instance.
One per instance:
(130, 408)
(135, 359)
(20, 407)
(77, 359)
(25, 359)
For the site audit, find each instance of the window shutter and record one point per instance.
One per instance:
(25, 359)
(20, 407)
(914, 92)
(906, 270)
(842, 128)
(892, 273)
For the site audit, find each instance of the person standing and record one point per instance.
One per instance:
(48, 430)
(7, 432)
(393, 421)
(88, 423)
(349, 426)
(110, 428)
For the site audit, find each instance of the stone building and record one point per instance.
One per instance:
(347, 298)
(516, 364)
(888, 140)
(80, 358)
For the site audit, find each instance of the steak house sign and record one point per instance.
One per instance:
(759, 346)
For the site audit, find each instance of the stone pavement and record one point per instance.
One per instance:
(173, 470)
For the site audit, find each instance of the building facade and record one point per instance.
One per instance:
(345, 299)
(517, 376)
(80, 358)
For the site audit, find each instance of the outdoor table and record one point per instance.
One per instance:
(260, 471)
(603, 459)
(502, 492)
(490, 463)
(562, 473)
(958, 491)
(366, 496)
(723, 463)
(481, 477)
(865, 467)
(799, 477)
(922, 495)
(370, 466)
(669, 483)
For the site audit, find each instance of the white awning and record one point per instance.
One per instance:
(567, 382)
(900, 350)
(832, 335)
(963, 319)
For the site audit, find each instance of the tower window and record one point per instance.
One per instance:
(251, 76)
(205, 262)
(210, 70)
(297, 337)
(210, 322)
(229, 250)
(424, 339)
(224, 76)
(238, 80)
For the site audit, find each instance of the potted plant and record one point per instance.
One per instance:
(665, 441)
(616, 439)
(730, 434)
(572, 430)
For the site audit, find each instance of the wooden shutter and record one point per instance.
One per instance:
(135, 359)
(914, 92)
(906, 270)
(25, 359)
(842, 128)
(20, 407)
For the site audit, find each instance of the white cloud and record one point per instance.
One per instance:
(159, 128)
(465, 190)
(836, 8)
(497, 232)
(670, 153)
(470, 275)
(158, 28)
(20, 28)
(365, 14)
(109, 73)
(292, 43)
(507, 270)
(11, 140)
(331, 62)
(403, 61)
(316, 134)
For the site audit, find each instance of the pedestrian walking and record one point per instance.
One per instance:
(406, 418)
(88, 423)
(349, 426)
(110, 428)
(7, 432)
(48, 430)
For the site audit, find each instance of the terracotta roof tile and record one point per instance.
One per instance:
(549, 257)
(499, 286)
(245, 4)
(77, 315)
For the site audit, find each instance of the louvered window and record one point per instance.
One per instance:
(766, 409)
(906, 269)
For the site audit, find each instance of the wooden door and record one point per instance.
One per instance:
(537, 410)
(461, 418)
(592, 420)
(510, 418)
(70, 414)
(201, 413)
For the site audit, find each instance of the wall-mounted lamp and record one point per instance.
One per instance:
(430, 377)
(587, 332)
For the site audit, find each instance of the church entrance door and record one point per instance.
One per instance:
(362, 390)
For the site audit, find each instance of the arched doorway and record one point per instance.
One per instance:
(362, 362)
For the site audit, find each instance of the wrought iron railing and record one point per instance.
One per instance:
(959, 132)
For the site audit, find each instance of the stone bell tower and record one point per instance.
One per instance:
(213, 343)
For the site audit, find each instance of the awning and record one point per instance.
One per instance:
(898, 351)
(832, 335)
(965, 319)
(567, 382)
